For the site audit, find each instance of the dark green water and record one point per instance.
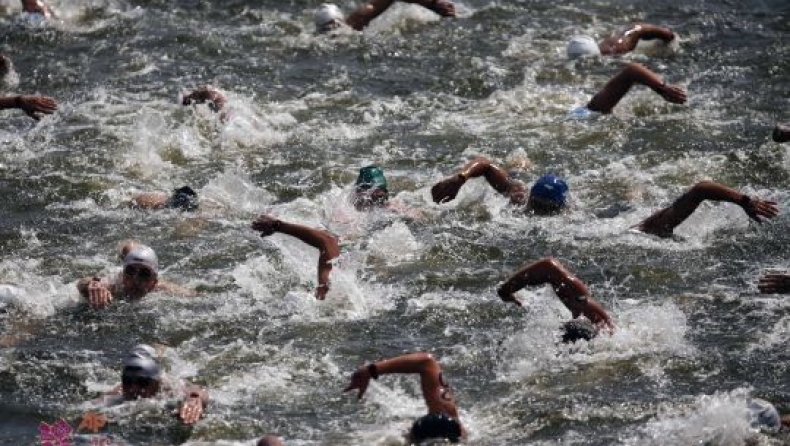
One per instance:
(419, 97)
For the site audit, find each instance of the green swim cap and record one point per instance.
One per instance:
(371, 177)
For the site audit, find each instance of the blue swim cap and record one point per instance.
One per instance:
(550, 187)
(436, 425)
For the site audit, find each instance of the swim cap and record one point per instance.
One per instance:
(580, 46)
(435, 425)
(763, 416)
(143, 349)
(578, 329)
(327, 17)
(142, 255)
(183, 198)
(140, 363)
(552, 188)
(371, 177)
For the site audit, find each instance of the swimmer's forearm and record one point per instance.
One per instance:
(650, 32)
(410, 363)
(10, 102)
(324, 241)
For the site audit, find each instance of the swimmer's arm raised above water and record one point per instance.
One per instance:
(627, 40)
(573, 293)
(423, 364)
(447, 189)
(633, 73)
(326, 243)
(363, 15)
(663, 222)
(33, 106)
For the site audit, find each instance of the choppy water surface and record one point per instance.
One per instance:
(419, 96)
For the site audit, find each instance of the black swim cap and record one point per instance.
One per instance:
(578, 329)
(436, 425)
(183, 198)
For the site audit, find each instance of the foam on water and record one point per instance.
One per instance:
(642, 330)
(721, 419)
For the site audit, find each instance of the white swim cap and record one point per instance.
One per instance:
(763, 416)
(327, 17)
(142, 255)
(580, 46)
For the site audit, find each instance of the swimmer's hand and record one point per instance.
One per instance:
(321, 290)
(756, 208)
(444, 8)
(266, 225)
(191, 410)
(774, 283)
(98, 295)
(672, 93)
(34, 106)
(359, 381)
(509, 297)
(447, 189)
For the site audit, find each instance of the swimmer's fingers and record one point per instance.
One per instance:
(99, 296)
(191, 411)
(756, 208)
(512, 298)
(674, 94)
(444, 8)
(774, 283)
(359, 381)
(35, 105)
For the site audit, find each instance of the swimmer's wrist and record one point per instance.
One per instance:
(463, 176)
(373, 371)
(18, 101)
(745, 201)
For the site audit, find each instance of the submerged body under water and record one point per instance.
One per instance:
(418, 96)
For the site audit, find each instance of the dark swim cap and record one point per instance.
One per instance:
(578, 329)
(552, 188)
(436, 425)
(183, 198)
(139, 362)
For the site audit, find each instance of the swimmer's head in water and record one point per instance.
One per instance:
(141, 256)
(578, 330)
(582, 46)
(763, 416)
(183, 198)
(328, 17)
(140, 377)
(549, 195)
(435, 426)
(370, 189)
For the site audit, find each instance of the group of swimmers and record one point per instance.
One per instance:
(141, 375)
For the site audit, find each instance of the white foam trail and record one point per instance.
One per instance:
(642, 330)
(721, 419)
